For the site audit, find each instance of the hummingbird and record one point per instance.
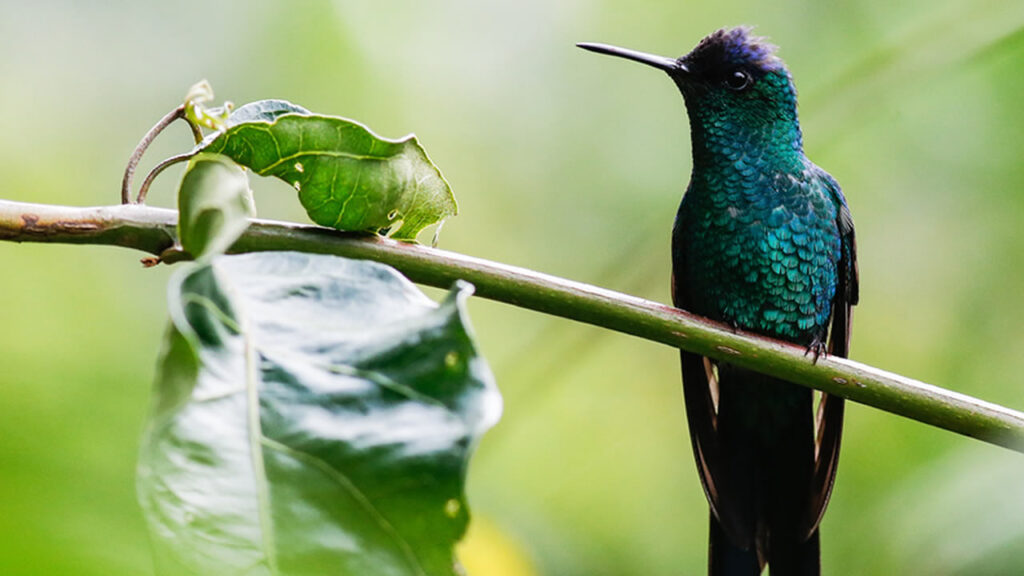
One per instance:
(763, 241)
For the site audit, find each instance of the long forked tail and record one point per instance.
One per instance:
(762, 485)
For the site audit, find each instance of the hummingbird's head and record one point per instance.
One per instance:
(731, 79)
(727, 60)
(730, 68)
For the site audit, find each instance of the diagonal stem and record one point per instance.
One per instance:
(152, 230)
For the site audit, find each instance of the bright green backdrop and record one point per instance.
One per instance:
(568, 163)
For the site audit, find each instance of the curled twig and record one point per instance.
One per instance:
(133, 162)
(140, 149)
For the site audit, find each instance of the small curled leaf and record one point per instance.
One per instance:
(214, 205)
(196, 111)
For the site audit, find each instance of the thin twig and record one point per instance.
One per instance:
(153, 230)
(141, 198)
(133, 161)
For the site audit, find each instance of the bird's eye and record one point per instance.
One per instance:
(738, 80)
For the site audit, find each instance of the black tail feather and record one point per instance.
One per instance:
(786, 558)
(796, 558)
(727, 559)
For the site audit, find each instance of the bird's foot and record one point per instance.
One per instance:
(818, 347)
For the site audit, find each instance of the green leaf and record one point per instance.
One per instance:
(313, 415)
(214, 205)
(347, 177)
(264, 111)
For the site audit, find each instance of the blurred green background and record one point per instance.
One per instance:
(564, 162)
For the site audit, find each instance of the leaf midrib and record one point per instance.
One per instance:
(254, 425)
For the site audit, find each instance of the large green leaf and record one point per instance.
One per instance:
(347, 177)
(313, 416)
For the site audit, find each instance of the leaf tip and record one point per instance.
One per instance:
(463, 289)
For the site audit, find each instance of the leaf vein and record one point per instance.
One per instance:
(351, 194)
(328, 153)
(210, 305)
(346, 483)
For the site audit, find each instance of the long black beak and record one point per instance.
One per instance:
(659, 62)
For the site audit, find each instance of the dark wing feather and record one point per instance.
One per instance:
(701, 420)
(831, 408)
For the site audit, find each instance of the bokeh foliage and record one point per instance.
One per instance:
(562, 162)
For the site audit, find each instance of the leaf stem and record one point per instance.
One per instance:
(152, 230)
(140, 149)
(197, 132)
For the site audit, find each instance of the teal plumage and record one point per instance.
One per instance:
(758, 226)
(763, 241)
(762, 251)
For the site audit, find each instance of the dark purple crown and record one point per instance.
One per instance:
(732, 48)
